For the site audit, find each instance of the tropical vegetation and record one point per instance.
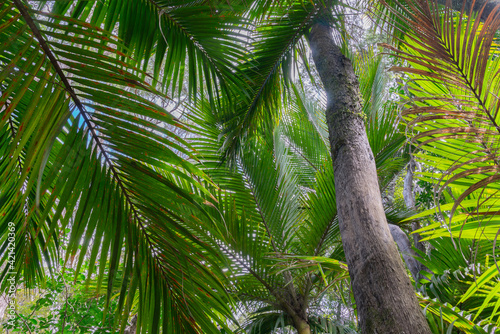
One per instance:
(205, 166)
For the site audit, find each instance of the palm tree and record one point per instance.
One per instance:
(280, 224)
(273, 230)
(124, 180)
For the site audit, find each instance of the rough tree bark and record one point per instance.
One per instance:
(385, 299)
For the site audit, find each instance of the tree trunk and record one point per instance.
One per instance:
(385, 299)
(405, 249)
(301, 326)
(296, 308)
(409, 197)
(133, 326)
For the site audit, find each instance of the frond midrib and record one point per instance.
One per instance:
(196, 43)
(108, 161)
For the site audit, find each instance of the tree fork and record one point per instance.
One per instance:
(385, 299)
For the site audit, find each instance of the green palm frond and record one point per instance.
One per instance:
(279, 46)
(463, 277)
(454, 115)
(93, 155)
(454, 271)
(308, 144)
(372, 81)
(443, 317)
(176, 38)
(453, 68)
(273, 180)
(266, 320)
(319, 233)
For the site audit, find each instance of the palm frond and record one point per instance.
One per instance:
(454, 115)
(443, 317)
(176, 38)
(93, 155)
(279, 44)
(268, 320)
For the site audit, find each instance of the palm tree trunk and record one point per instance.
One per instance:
(409, 197)
(301, 326)
(385, 298)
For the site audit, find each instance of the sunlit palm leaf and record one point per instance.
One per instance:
(453, 115)
(115, 174)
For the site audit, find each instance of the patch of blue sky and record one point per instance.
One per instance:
(76, 115)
